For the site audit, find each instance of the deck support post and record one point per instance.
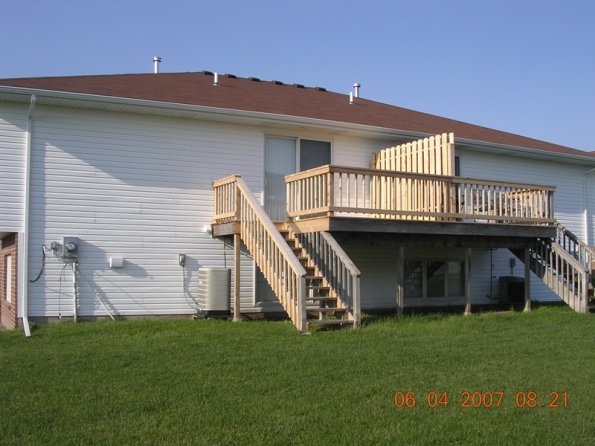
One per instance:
(236, 278)
(527, 279)
(468, 282)
(237, 240)
(400, 280)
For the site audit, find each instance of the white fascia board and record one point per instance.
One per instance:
(254, 117)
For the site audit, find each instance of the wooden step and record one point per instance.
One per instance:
(322, 298)
(329, 321)
(326, 309)
(313, 277)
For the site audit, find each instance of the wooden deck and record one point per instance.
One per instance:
(407, 209)
(339, 199)
(423, 228)
(336, 191)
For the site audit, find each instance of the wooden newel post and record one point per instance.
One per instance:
(236, 259)
(330, 190)
(527, 280)
(468, 282)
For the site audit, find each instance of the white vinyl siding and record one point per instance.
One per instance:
(13, 137)
(356, 152)
(139, 187)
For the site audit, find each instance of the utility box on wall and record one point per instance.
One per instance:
(214, 291)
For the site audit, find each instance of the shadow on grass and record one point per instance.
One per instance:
(439, 313)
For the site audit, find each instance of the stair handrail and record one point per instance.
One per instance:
(562, 272)
(575, 246)
(338, 269)
(279, 265)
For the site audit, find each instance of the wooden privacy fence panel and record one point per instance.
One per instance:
(346, 191)
(282, 270)
(433, 156)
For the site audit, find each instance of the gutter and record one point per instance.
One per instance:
(24, 266)
(295, 120)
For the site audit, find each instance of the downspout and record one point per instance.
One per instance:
(24, 273)
(586, 205)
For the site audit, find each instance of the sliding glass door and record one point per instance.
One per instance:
(279, 161)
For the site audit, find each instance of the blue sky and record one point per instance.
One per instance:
(524, 66)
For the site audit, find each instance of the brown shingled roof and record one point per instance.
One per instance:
(250, 94)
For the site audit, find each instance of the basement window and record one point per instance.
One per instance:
(430, 279)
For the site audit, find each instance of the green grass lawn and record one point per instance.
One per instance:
(216, 382)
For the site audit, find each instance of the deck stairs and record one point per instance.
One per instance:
(324, 304)
(566, 265)
(313, 278)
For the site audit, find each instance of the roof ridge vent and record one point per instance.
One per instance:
(299, 85)
(254, 79)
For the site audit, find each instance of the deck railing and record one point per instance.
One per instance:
(575, 247)
(370, 193)
(235, 202)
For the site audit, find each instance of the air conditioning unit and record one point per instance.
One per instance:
(512, 290)
(214, 291)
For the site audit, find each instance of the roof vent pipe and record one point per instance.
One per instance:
(350, 97)
(356, 89)
(156, 62)
(216, 79)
